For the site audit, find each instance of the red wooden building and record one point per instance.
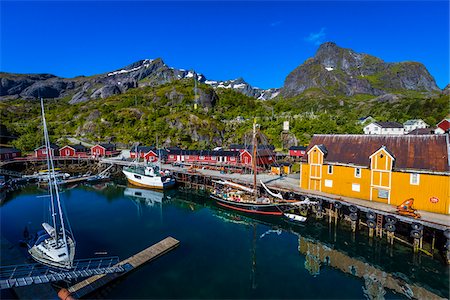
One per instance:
(149, 153)
(297, 151)
(101, 150)
(203, 156)
(264, 157)
(9, 153)
(73, 151)
(41, 152)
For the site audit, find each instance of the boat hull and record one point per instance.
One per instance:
(43, 257)
(258, 209)
(154, 182)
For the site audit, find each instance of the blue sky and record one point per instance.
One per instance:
(259, 41)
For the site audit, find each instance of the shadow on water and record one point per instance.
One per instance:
(225, 254)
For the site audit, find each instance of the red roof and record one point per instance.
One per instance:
(444, 124)
(416, 152)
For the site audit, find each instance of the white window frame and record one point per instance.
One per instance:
(356, 187)
(328, 183)
(411, 179)
(330, 167)
(356, 173)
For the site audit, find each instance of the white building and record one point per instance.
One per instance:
(384, 128)
(410, 125)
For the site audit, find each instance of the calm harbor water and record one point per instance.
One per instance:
(224, 254)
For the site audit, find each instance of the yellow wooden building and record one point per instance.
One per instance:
(381, 168)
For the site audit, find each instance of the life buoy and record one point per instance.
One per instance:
(353, 216)
(389, 227)
(371, 224)
(371, 215)
(416, 234)
(353, 209)
(338, 205)
(417, 226)
(391, 219)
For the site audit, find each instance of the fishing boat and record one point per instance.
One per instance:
(149, 176)
(238, 197)
(54, 246)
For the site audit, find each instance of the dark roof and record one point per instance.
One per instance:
(143, 149)
(297, 148)
(108, 146)
(417, 152)
(52, 146)
(77, 147)
(422, 131)
(389, 124)
(9, 150)
(204, 152)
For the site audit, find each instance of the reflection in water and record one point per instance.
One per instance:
(148, 197)
(375, 279)
(318, 255)
(251, 253)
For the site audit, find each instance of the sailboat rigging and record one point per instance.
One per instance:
(54, 246)
(240, 198)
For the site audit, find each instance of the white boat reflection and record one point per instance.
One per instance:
(147, 197)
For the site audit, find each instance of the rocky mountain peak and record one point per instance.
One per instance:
(337, 70)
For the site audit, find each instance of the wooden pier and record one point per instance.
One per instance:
(90, 284)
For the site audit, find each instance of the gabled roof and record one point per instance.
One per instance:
(107, 146)
(413, 152)
(297, 148)
(388, 124)
(142, 149)
(412, 122)
(77, 147)
(422, 131)
(444, 124)
(52, 146)
(260, 153)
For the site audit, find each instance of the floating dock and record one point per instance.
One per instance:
(90, 284)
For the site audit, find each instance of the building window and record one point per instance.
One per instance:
(330, 169)
(202, 157)
(358, 172)
(414, 179)
(383, 194)
(328, 183)
(356, 187)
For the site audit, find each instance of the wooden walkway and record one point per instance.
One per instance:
(90, 284)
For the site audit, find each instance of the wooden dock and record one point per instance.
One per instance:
(90, 284)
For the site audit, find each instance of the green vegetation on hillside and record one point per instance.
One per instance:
(167, 113)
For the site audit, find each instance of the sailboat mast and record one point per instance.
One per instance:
(254, 163)
(49, 176)
(53, 184)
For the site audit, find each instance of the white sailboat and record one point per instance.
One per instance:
(54, 246)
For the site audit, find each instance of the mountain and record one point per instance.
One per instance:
(243, 87)
(148, 72)
(336, 70)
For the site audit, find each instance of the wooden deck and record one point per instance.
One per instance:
(90, 284)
